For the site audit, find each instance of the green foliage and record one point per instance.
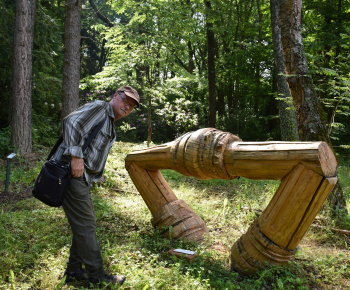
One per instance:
(326, 29)
(7, 20)
(172, 113)
(46, 130)
(334, 86)
(5, 138)
(171, 116)
(47, 60)
(22, 174)
(178, 116)
(159, 47)
(47, 69)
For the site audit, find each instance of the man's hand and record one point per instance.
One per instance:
(77, 166)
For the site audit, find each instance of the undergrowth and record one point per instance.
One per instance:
(35, 239)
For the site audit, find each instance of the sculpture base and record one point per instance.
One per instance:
(184, 222)
(253, 250)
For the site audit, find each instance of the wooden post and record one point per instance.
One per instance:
(307, 170)
(275, 236)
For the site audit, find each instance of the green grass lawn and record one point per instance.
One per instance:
(35, 239)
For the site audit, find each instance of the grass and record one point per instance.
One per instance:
(35, 239)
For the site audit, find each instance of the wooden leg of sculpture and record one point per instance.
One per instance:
(167, 211)
(274, 237)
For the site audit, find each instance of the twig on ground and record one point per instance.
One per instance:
(334, 230)
(122, 190)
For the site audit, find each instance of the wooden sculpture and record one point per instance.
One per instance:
(307, 170)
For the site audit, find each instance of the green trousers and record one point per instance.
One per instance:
(80, 212)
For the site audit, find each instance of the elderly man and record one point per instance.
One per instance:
(87, 167)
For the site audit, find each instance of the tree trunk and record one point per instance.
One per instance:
(190, 57)
(103, 55)
(71, 62)
(257, 64)
(311, 117)
(221, 109)
(100, 15)
(211, 69)
(150, 85)
(288, 116)
(21, 103)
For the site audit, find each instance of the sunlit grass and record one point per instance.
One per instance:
(35, 239)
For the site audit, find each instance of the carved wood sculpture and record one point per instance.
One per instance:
(307, 170)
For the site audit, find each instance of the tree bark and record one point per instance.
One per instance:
(211, 69)
(71, 62)
(221, 109)
(311, 117)
(21, 103)
(190, 57)
(100, 15)
(288, 116)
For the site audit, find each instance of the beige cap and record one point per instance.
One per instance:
(131, 93)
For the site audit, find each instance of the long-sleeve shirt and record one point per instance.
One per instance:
(75, 130)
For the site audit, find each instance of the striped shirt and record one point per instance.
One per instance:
(76, 128)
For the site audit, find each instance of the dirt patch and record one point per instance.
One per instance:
(220, 247)
(10, 197)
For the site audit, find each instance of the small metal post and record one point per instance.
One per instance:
(8, 170)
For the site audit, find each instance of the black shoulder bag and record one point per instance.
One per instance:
(53, 180)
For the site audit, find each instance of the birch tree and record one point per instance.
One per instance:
(288, 117)
(310, 114)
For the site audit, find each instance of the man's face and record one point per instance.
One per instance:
(122, 105)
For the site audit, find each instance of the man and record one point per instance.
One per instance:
(87, 167)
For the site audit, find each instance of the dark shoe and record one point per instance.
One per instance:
(107, 279)
(79, 275)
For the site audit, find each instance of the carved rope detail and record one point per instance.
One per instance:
(307, 170)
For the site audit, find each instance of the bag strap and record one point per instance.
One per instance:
(93, 135)
(86, 143)
(53, 150)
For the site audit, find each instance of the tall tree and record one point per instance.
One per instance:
(21, 103)
(311, 117)
(71, 61)
(288, 117)
(211, 66)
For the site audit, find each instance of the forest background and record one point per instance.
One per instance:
(161, 48)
